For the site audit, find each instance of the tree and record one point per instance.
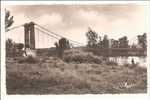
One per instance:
(105, 42)
(142, 41)
(9, 44)
(61, 46)
(100, 42)
(123, 42)
(114, 43)
(10, 48)
(8, 19)
(92, 37)
(64, 43)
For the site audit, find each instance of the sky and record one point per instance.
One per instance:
(72, 21)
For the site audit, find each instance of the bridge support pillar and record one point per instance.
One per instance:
(26, 35)
(29, 35)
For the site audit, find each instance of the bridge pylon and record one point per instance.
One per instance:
(29, 35)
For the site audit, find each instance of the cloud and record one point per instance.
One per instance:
(88, 15)
(20, 19)
(45, 19)
(49, 19)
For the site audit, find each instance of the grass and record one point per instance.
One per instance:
(28, 59)
(78, 56)
(51, 75)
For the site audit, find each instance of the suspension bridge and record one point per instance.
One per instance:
(36, 36)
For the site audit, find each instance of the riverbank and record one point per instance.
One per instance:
(51, 75)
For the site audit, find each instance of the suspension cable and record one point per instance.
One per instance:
(58, 35)
(7, 30)
(47, 33)
(53, 36)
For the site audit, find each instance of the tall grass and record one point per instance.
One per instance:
(52, 75)
(28, 59)
(79, 56)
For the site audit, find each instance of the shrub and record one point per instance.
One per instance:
(81, 57)
(111, 63)
(29, 59)
(19, 46)
(13, 49)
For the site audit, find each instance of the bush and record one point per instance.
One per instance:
(13, 49)
(19, 46)
(81, 57)
(29, 59)
(111, 63)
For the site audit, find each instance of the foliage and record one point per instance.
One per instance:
(13, 49)
(9, 44)
(123, 42)
(8, 19)
(100, 42)
(80, 56)
(92, 37)
(64, 43)
(114, 43)
(111, 63)
(61, 46)
(28, 59)
(142, 40)
(19, 46)
(105, 42)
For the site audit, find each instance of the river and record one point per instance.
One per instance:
(141, 61)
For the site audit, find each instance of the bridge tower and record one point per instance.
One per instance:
(29, 35)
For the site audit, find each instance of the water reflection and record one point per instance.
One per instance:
(141, 61)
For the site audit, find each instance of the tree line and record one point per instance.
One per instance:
(96, 41)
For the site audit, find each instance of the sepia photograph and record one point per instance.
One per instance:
(62, 49)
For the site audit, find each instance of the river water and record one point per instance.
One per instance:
(141, 61)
